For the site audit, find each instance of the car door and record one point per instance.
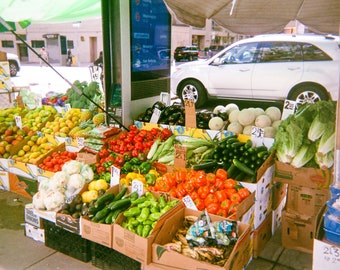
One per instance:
(230, 74)
(279, 67)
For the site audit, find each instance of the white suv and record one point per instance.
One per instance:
(14, 64)
(303, 68)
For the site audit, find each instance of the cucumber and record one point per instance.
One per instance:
(119, 204)
(204, 166)
(101, 215)
(93, 210)
(108, 219)
(120, 194)
(232, 171)
(261, 148)
(243, 167)
(102, 200)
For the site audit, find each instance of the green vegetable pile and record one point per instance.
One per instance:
(91, 89)
(307, 138)
(145, 212)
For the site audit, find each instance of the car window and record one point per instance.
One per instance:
(240, 54)
(312, 53)
(280, 52)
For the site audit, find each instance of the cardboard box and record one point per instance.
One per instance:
(262, 235)
(298, 232)
(31, 216)
(21, 185)
(161, 256)
(35, 233)
(308, 177)
(277, 215)
(306, 201)
(4, 181)
(279, 192)
(135, 246)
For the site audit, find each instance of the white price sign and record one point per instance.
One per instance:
(80, 142)
(189, 203)
(115, 176)
(326, 256)
(18, 121)
(67, 107)
(257, 135)
(155, 116)
(137, 186)
(289, 107)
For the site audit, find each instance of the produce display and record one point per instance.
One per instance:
(56, 160)
(307, 138)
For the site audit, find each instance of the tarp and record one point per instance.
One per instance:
(49, 11)
(251, 17)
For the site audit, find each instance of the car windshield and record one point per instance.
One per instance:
(244, 53)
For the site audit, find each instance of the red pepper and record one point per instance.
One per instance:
(199, 204)
(243, 192)
(236, 198)
(221, 174)
(230, 183)
(221, 195)
(226, 204)
(211, 198)
(212, 208)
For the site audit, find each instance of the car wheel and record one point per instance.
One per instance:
(308, 93)
(13, 68)
(192, 90)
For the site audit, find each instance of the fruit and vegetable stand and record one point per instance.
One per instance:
(115, 193)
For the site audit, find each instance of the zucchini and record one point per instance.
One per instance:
(232, 171)
(119, 204)
(102, 200)
(93, 210)
(243, 167)
(261, 148)
(120, 194)
(240, 176)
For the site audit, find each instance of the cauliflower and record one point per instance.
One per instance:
(38, 200)
(58, 181)
(44, 185)
(53, 200)
(87, 173)
(72, 167)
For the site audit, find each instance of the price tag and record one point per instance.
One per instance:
(190, 113)
(165, 98)
(115, 176)
(137, 186)
(67, 107)
(18, 121)
(155, 116)
(289, 107)
(180, 156)
(189, 203)
(328, 256)
(80, 142)
(257, 135)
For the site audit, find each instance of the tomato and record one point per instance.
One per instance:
(243, 192)
(221, 195)
(236, 198)
(226, 204)
(230, 183)
(199, 204)
(203, 192)
(221, 174)
(222, 212)
(213, 208)
(211, 198)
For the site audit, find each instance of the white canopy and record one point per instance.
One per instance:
(252, 17)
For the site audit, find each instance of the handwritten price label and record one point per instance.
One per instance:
(190, 113)
(137, 186)
(257, 135)
(180, 156)
(155, 116)
(18, 121)
(189, 203)
(289, 107)
(80, 142)
(67, 107)
(115, 176)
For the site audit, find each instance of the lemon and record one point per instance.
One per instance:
(92, 185)
(101, 184)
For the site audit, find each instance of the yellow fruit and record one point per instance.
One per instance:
(26, 148)
(21, 153)
(101, 184)
(89, 196)
(98, 119)
(86, 115)
(92, 185)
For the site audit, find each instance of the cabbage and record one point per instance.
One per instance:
(53, 200)
(44, 185)
(58, 181)
(87, 173)
(38, 200)
(75, 184)
(72, 167)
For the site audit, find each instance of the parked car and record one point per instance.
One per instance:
(302, 68)
(14, 64)
(189, 53)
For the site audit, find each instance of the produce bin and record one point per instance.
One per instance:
(66, 242)
(107, 258)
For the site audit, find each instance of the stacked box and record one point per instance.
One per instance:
(67, 242)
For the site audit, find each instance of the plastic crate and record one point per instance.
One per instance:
(107, 258)
(331, 209)
(67, 242)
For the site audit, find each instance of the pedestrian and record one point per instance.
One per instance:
(99, 60)
(44, 55)
(69, 58)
